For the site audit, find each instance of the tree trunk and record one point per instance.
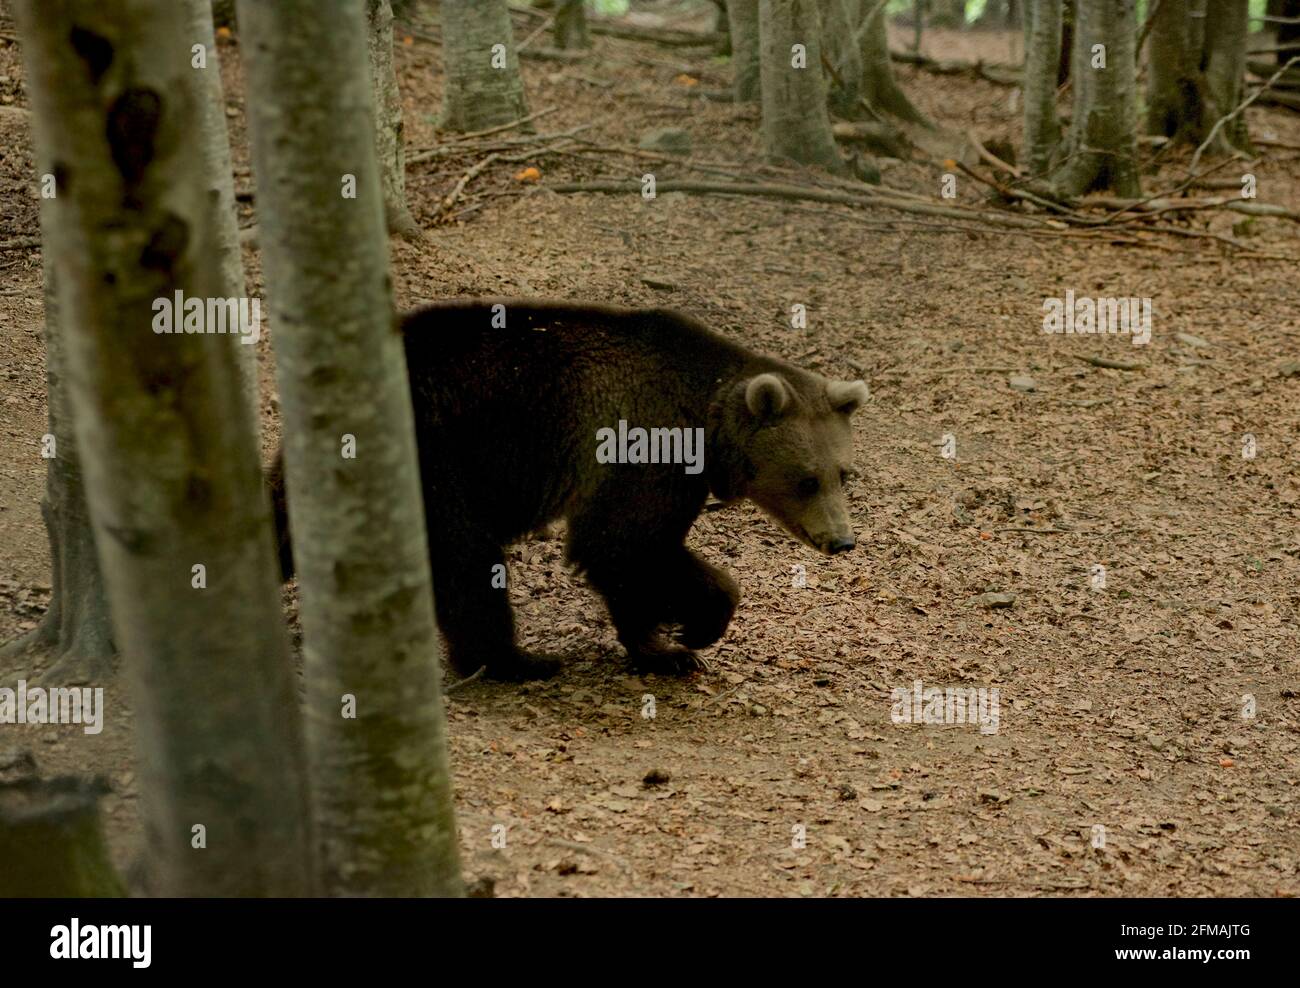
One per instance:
(166, 441)
(796, 126)
(743, 17)
(1042, 57)
(1191, 87)
(948, 13)
(838, 31)
(381, 785)
(214, 143)
(76, 626)
(388, 121)
(879, 85)
(1103, 134)
(52, 841)
(1227, 27)
(1287, 34)
(571, 25)
(1172, 69)
(482, 84)
(1196, 32)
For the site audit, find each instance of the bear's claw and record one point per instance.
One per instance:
(667, 661)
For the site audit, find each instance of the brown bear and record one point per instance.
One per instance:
(621, 421)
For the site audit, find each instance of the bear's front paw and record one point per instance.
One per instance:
(516, 667)
(666, 661)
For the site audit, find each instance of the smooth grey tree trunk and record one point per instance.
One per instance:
(571, 24)
(1103, 135)
(1172, 70)
(1042, 126)
(743, 18)
(380, 781)
(214, 143)
(1227, 27)
(840, 45)
(1192, 84)
(879, 86)
(796, 125)
(166, 442)
(389, 127)
(75, 629)
(482, 86)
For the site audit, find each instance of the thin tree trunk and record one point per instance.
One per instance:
(839, 19)
(1287, 34)
(214, 143)
(571, 24)
(381, 786)
(1103, 135)
(1172, 72)
(165, 435)
(796, 126)
(1196, 32)
(482, 86)
(1227, 27)
(75, 628)
(388, 121)
(1042, 57)
(879, 85)
(743, 17)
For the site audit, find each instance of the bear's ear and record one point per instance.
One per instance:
(846, 396)
(766, 396)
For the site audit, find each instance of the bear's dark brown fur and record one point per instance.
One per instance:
(507, 420)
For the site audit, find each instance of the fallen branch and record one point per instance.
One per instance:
(796, 192)
(1112, 364)
(451, 198)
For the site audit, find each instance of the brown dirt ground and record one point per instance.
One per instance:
(1120, 708)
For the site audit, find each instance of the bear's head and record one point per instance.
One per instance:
(783, 440)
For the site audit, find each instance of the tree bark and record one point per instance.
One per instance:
(482, 86)
(1287, 34)
(1172, 69)
(214, 143)
(165, 435)
(1103, 134)
(839, 20)
(571, 25)
(879, 85)
(1227, 27)
(381, 785)
(1195, 83)
(743, 17)
(796, 125)
(1042, 126)
(388, 121)
(75, 627)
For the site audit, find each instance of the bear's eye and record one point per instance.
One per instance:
(809, 486)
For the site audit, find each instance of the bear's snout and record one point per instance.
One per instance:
(841, 543)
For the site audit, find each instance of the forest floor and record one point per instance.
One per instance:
(1164, 708)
